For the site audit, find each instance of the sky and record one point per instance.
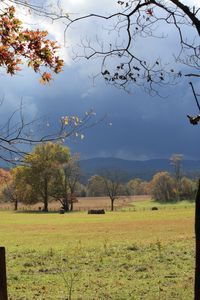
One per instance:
(136, 126)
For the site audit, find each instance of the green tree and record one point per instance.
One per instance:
(137, 187)
(17, 189)
(95, 186)
(5, 176)
(188, 188)
(65, 182)
(81, 190)
(41, 164)
(162, 187)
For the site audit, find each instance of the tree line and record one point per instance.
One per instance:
(163, 187)
(50, 173)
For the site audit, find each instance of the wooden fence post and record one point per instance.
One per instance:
(3, 279)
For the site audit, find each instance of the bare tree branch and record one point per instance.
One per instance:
(140, 19)
(16, 134)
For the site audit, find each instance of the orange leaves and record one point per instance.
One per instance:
(5, 177)
(33, 46)
(46, 77)
(59, 65)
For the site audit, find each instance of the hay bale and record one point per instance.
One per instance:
(96, 212)
(154, 208)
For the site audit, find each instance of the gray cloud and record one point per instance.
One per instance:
(142, 126)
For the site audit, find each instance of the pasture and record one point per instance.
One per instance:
(138, 255)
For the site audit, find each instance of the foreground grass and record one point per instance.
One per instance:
(145, 255)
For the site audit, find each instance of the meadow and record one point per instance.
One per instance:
(138, 254)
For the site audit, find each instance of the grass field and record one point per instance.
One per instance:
(141, 255)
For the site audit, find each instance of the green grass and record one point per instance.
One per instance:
(141, 255)
(148, 204)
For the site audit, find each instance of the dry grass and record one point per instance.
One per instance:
(84, 203)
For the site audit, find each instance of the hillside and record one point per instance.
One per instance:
(133, 168)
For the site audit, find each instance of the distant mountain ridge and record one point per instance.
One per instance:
(135, 168)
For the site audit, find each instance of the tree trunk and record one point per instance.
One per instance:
(197, 234)
(112, 204)
(16, 204)
(72, 206)
(66, 198)
(45, 195)
(65, 205)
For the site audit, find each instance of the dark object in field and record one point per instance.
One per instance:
(96, 212)
(62, 211)
(39, 208)
(154, 208)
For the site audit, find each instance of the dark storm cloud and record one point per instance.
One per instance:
(142, 126)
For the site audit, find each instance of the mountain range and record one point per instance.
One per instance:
(136, 169)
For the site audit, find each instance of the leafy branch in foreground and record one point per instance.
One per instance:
(18, 45)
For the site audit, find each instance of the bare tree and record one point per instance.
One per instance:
(112, 182)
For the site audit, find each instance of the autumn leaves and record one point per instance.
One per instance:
(18, 46)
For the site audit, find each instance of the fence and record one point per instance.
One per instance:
(28, 209)
(106, 208)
